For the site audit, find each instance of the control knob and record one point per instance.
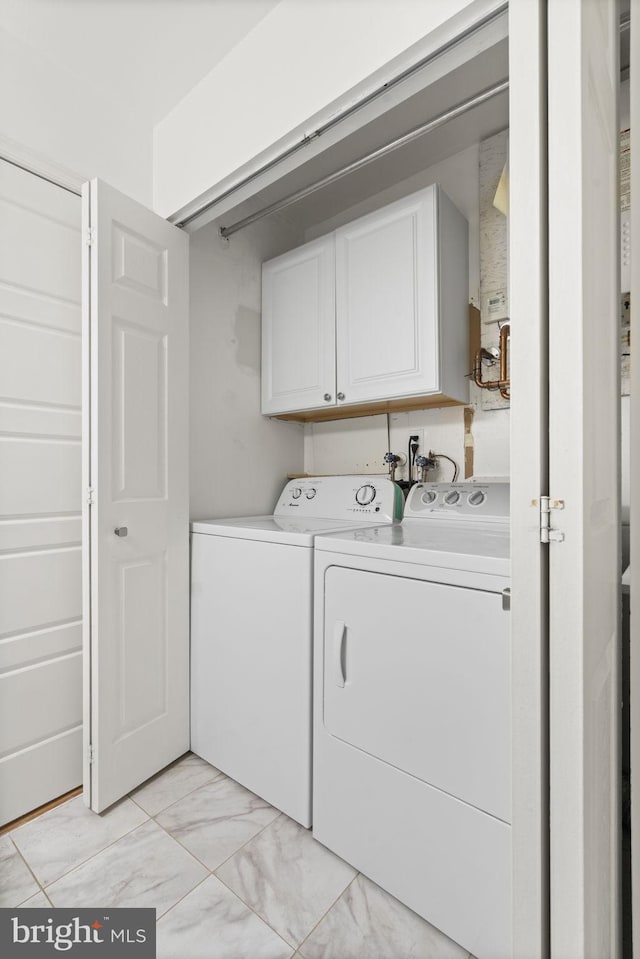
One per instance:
(476, 498)
(429, 496)
(296, 492)
(452, 497)
(310, 493)
(366, 494)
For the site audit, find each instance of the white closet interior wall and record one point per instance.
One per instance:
(239, 459)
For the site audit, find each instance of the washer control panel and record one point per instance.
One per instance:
(466, 501)
(352, 498)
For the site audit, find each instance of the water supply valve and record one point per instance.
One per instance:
(424, 464)
(392, 460)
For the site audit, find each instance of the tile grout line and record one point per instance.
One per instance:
(179, 842)
(19, 852)
(333, 904)
(251, 909)
(186, 848)
(131, 795)
(93, 855)
(255, 836)
(236, 896)
(212, 872)
(294, 946)
(178, 901)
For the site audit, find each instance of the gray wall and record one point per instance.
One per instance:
(239, 459)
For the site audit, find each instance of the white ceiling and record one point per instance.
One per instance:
(143, 55)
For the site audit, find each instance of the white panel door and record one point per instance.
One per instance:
(137, 543)
(298, 329)
(40, 493)
(584, 404)
(386, 302)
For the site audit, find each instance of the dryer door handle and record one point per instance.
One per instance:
(339, 650)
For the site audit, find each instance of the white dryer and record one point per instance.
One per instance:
(412, 714)
(251, 632)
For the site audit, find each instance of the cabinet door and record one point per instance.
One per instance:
(298, 329)
(386, 302)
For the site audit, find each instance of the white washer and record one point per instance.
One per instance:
(251, 632)
(412, 714)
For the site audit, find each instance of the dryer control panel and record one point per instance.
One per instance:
(488, 502)
(350, 498)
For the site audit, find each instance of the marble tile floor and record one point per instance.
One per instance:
(230, 877)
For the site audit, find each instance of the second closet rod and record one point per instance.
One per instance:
(451, 114)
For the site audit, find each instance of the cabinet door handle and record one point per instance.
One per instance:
(340, 396)
(339, 637)
(327, 397)
(121, 531)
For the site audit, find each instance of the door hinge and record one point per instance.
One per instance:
(89, 236)
(91, 496)
(91, 754)
(547, 534)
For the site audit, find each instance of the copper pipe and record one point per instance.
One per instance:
(505, 333)
(504, 336)
(502, 384)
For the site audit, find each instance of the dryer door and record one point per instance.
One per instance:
(417, 674)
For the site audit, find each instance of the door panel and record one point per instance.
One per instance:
(298, 329)
(137, 586)
(139, 416)
(408, 680)
(584, 405)
(40, 492)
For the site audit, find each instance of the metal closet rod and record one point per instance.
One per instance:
(625, 20)
(458, 110)
(349, 111)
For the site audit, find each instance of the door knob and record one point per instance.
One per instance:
(121, 531)
(340, 396)
(327, 397)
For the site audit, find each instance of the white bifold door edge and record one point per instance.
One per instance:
(529, 477)
(584, 450)
(634, 666)
(135, 490)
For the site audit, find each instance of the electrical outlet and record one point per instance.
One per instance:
(403, 444)
(420, 434)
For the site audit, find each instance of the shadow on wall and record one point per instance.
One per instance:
(247, 339)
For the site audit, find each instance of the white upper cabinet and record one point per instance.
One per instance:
(393, 328)
(298, 329)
